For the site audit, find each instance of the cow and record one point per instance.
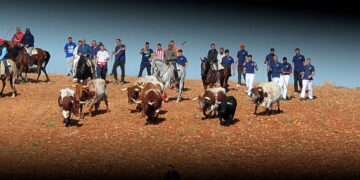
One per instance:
(68, 104)
(226, 110)
(92, 94)
(265, 95)
(210, 100)
(150, 104)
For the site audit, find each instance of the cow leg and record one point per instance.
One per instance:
(107, 104)
(97, 106)
(256, 107)
(90, 109)
(81, 113)
(278, 105)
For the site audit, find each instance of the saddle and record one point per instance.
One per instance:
(33, 52)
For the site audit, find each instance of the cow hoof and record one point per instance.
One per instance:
(278, 111)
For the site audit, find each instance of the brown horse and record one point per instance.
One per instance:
(11, 76)
(23, 60)
(211, 77)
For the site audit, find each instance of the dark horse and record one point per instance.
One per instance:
(23, 60)
(210, 77)
(83, 71)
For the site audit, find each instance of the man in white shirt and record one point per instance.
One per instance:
(219, 58)
(102, 58)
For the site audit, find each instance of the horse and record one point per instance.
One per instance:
(83, 71)
(165, 72)
(11, 75)
(23, 60)
(211, 77)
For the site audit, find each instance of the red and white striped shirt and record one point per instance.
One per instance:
(159, 54)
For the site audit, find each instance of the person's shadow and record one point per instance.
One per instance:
(171, 174)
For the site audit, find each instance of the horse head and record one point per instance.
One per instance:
(205, 67)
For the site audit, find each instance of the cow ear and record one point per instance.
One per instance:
(265, 94)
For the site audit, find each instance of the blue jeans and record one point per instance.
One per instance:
(101, 71)
(297, 79)
(142, 67)
(240, 72)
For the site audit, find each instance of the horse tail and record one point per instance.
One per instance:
(47, 58)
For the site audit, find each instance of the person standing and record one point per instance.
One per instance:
(298, 64)
(269, 61)
(146, 54)
(119, 61)
(212, 56)
(94, 49)
(159, 53)
(69, 55)
(17, 37)
(249, 68)
(309, 73)
(276, 70)
(220, 57)
(284, 78)
(240, 60)
(102, 58)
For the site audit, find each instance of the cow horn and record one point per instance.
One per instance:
(229, 103)
(151, 103)
(136, 89)
(207, 98)
(123, 89)
(195, 98)
(84, 86)
(133, 100)
(142, 87)
(138, 102)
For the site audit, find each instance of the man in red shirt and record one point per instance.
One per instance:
(159, 53)
(17, 37)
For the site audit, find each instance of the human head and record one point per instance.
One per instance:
(147, 45)
(170, 46)
(272, 51)
(102, 47)
(227, 52)
(250, 57)
(212, 46)
(297, 51)
(276, 60)
(118, 41)
(1, 41)
(159, 45)
(242, 46)
(221, 50)
(93, 43)
(70, 40)
(27, 31)
(180, 52)
(172, 42)
(18, 29)
(284, 60)
(308, 61)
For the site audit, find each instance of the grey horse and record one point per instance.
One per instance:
(165, 72)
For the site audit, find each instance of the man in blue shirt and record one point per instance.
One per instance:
(269, 60)
(94, 49)
(145, 60)
(276, 70)
(240, 59)
(119, 61)
(28, 42)
(69, 55)
(298, 64)
(228, 61)
(249, 68)
(284, 78)
(182, 61)
(309, 73)
(85, 50)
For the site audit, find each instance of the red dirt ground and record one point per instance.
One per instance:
(319, 138)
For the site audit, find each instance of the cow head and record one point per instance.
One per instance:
(205, 101)
(258, 94)
(69, 105)
(133, 93)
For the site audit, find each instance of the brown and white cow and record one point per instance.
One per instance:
(265, 95)
(68, 105)
(210, 100)
(92, 94)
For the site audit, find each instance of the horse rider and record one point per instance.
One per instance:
(85, 50)
(17, 37)
(3, 52)
(212, 56)
(28, 42)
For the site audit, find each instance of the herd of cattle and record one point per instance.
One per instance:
(148, 94)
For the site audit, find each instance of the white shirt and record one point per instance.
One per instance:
(219, 58)
(103, 56)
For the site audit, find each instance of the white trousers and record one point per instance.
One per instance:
(249, 79)
(276, 80)
(284, 82)
(308, 84)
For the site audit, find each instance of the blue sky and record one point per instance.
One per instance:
(332, 42)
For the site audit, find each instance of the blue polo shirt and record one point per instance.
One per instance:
(298, 61)
(84, 49)
(276, 70)
(286, 67)
(308, 70)
(270, 59)
(69, 49)
(241, 57)
(94, 51)
(250, 67)
(228, 61)
(121, 55)
(146, 56)
(181, 60)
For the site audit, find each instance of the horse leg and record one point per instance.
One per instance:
(39, 73)
(47, 77)
(12, 84)
(181, 84)
(3, 79)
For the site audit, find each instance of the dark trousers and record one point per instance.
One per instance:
(120, 63)
(269, 76)
(240, 72)
(101, 71)
(142, 67)
(175, 70)
(297, 79)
